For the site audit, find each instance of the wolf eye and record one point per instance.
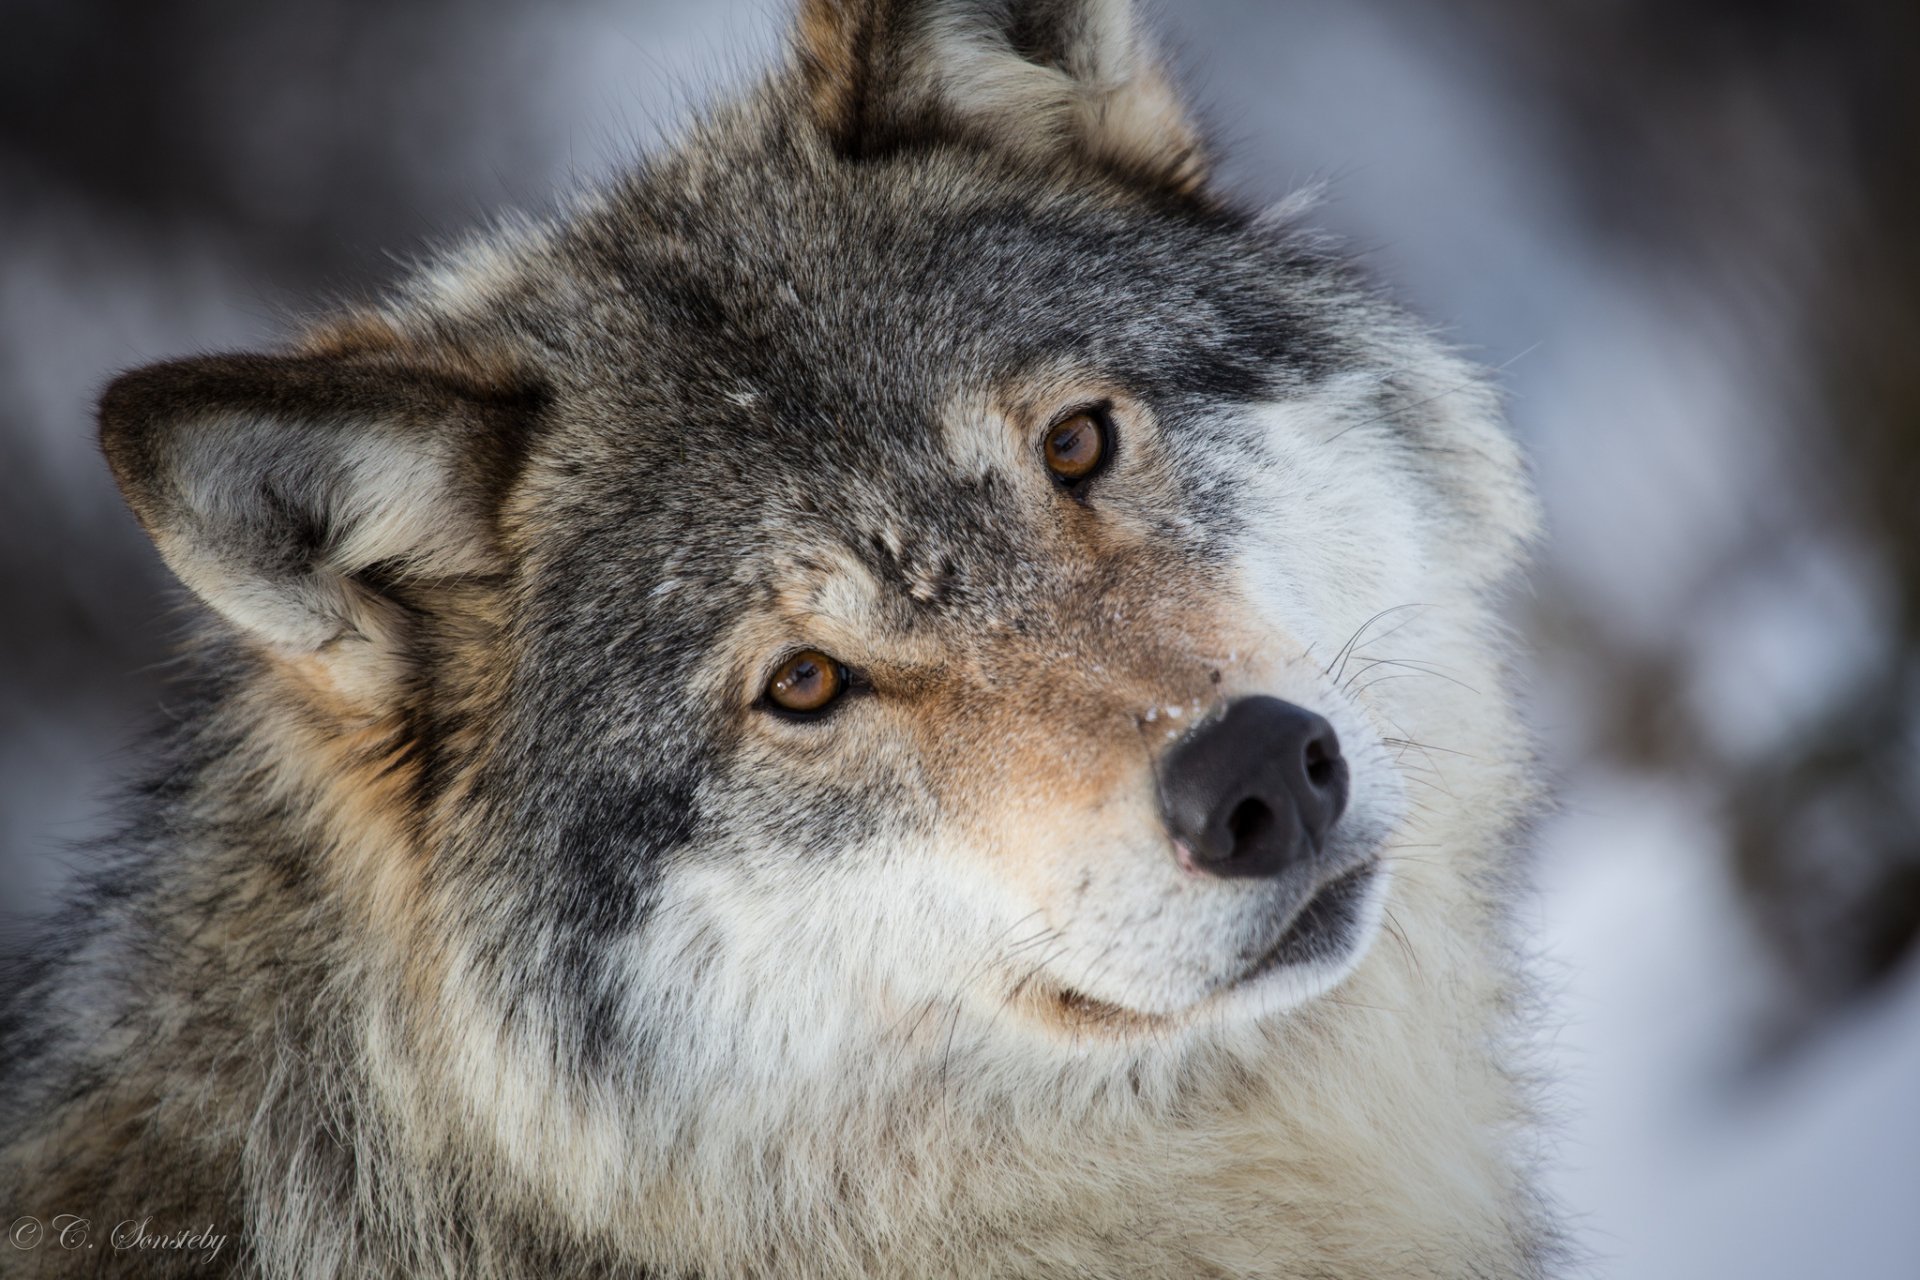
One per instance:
(807, 683)
(1076, 446)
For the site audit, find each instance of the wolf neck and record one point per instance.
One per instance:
(1355, 1144)
(1374, 1170)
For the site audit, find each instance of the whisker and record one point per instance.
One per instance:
(1340, 658)
(1427, 746)
(1396, 628)
(1411, 672)
(1399, 935)
(1408, 675)
(1415, 664)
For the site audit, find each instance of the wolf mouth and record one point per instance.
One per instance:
(1325, 928)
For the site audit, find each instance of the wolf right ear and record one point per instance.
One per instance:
(1041, 78)
(282, 489)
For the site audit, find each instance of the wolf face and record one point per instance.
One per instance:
(862, 700)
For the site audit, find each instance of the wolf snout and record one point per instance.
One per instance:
(1256, 790)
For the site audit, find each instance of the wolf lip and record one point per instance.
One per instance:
(1323, 927)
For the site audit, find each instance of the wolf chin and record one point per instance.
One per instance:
(908, 690)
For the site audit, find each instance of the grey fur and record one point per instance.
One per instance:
(451, 935)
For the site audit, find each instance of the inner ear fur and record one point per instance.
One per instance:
(1043, 78)
(286, 490)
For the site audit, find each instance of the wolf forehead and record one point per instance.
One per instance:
(848, 305)
(795, 336)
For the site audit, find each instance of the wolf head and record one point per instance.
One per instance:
(908, 637)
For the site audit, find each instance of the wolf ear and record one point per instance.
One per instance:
(287, 490)
(1042, 77)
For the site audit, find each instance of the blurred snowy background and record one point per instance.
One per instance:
(1687, 232)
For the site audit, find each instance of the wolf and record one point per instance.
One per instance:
(908, 689)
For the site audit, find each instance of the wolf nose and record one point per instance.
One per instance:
(1256, 790)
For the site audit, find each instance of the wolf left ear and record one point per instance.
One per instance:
(1044, 78)
(289, 490)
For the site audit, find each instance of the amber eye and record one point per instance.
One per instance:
(807, 683)
(1076, 446)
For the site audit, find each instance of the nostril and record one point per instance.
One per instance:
(1320, 761)
(1249, 822)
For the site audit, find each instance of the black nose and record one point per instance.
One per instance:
(1256, 790)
